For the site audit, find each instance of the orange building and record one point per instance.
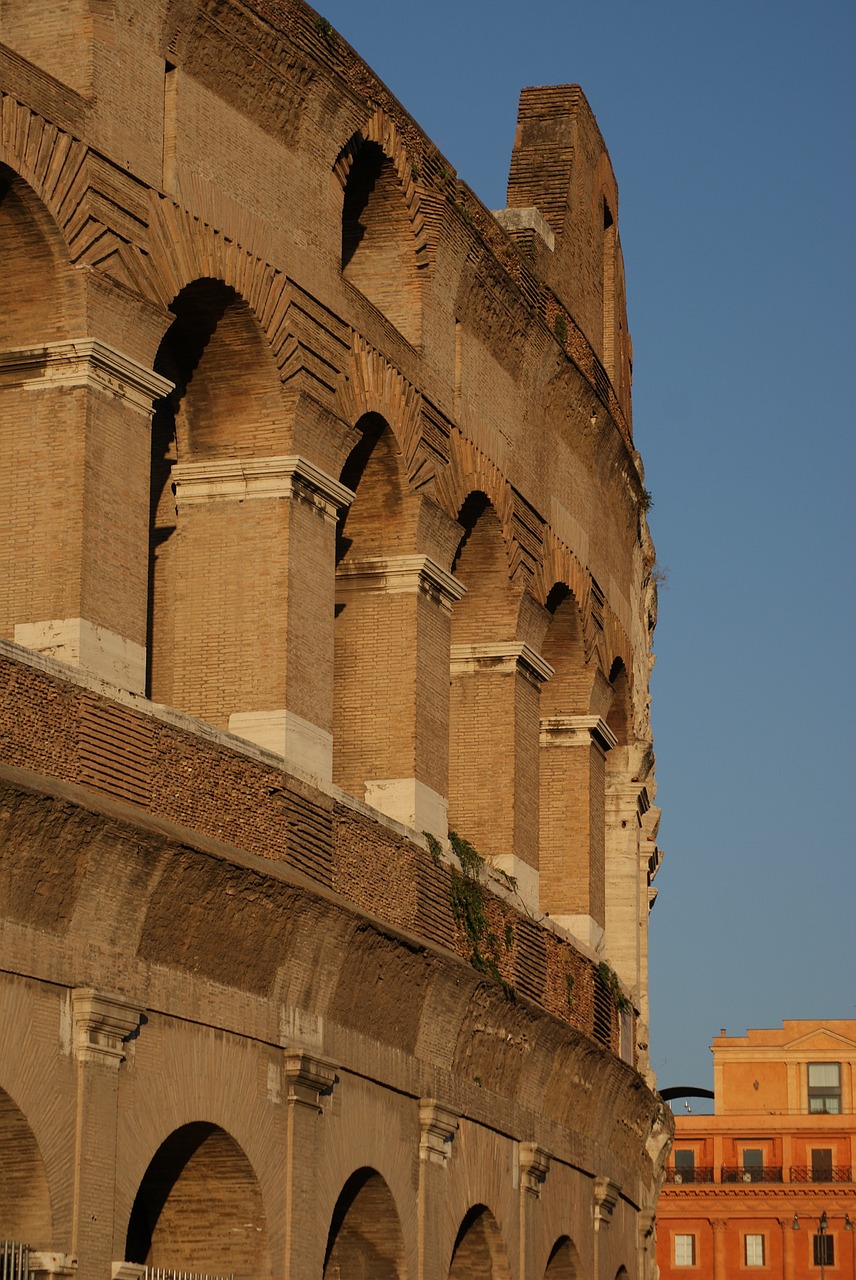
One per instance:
(765, 1186)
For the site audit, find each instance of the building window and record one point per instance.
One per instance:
(824, 1251)
(821, 1164)
(753, 1164)
(824, 1088)
(685, 1251)
(753, 1251)
(684, 1166)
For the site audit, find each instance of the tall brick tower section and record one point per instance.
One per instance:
(326, 777)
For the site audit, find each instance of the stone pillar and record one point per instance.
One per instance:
(243, 634)
(102, 1024)
(605, 1194)
(573, 835)
(75, 454)
(438, 1126)
(719, 1229)
(392, 686)
(788, 1261)
(309, 1083)
(493, 756)
(646, 1244)
(534, 1164)
(626, 899)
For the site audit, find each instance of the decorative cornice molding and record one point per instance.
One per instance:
(534, 1167)
(308, 1079)
(504, 658)
(606, 1194)
(239, 479)
(439, 1126)
(84, 362)
(400, 574)
(576, 731)
(102, 1025)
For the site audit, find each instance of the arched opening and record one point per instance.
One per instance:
(24, 1196)
(42, 423)
(218, 568)
(493, 714)
(564, 1262)
(365, 1241)
(479, 1252)
(199, 1208)
(575, 742)
(618, 716)
(378, 247)
(376, 630)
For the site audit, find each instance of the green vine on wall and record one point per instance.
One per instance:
(468, 898)
(608, 979)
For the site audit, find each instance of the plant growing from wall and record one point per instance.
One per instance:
(560, 328)
(469, 902)
(608, 979)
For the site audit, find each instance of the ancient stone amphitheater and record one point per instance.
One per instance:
(323, 536)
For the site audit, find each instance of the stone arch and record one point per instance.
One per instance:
(495, 685)
(479, 1251)
(380, 607)
(42, 425)
(365, 1236)
(199, 1207)
(24, 1191)
(619, 715)
(216, 634)
(564, 1261)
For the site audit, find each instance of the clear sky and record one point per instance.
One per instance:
(732, 132)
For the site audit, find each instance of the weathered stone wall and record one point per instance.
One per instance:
(323, 533)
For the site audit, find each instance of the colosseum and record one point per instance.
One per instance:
(326, 602)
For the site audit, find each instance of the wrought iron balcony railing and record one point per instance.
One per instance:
(731, 1173)
(837, 1173)
(689, 1176)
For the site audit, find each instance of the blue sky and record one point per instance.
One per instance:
(731, 129)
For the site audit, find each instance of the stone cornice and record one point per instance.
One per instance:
(534, 1167)
(84, 362)
(502, 658)
(400, 574)
(439, 1126)
(102, 1025)
(238, 479)
(573, 731)
(308, 1079)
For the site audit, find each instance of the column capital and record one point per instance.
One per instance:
(102, 1025)
(400, 574)
(576, 731)
(503, 659)
(605, 1193)
(241, 479)
(438, 1126)
(308, 1079)
(84, 362)
(42, 1265)
(534, 1166)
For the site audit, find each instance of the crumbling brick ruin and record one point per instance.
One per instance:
(323, 535)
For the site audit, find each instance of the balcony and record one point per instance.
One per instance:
(835, 1173)
(689, 1176)
(731, 1173)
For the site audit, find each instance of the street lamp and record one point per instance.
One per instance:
(822, 1228)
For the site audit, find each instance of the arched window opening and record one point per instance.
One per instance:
(374, 631)
(24, 1194)
(568, 692)
(217, 563)
(199, 1208)
(479, 1252)
(379, 254)
(490, 608)
(618, 716)
(365, 1238)
(564, 1262)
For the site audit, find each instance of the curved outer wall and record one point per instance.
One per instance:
(325, 536)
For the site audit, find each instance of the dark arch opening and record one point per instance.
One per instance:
(564, 1261)
(24, 1195)
(199, 1207)
(479, 1252)
(365, 1241)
